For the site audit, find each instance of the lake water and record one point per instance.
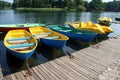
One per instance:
(45, 53)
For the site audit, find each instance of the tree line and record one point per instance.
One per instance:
(4, 4)
(79, 5)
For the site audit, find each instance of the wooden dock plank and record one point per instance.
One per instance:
(77, 74)
(53, 71)
(75, 63)
(39, 73)
(60, 71)
(48, 72)
(1, 75)
(79, 69)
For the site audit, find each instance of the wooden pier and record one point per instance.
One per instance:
(87, 64)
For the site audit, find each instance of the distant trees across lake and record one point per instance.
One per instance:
(4, 5)
(79, 5)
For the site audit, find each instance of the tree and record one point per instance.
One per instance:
(96, 5)
(4, 4)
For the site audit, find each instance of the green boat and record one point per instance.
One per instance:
(83, 35)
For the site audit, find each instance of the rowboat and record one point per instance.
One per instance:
(49, 37)
(92, 27)
(20, 43)
(83, 35)
(117, 19)
(7, 27)
(104, 21)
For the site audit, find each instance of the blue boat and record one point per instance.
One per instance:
(20, 43)
(83, 35)
(49, 37)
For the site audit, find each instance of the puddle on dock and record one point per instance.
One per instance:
(43, 53)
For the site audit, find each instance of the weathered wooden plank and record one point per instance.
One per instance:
(99, 55)
(77, 74)
(79, 69)
(39, 73)
(1, 75)
(26, 77)
(87, 63)
(79, 64)
(21, 75)
(60, 71)
(92, 61)
(36, 77)
(52, 71)
(48, 72)
(87, 66)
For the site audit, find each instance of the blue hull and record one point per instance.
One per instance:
(54, 43)
(82, 37)
(21, 56)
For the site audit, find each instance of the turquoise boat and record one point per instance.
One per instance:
(7, 27)
(20, 43)
(72, 33)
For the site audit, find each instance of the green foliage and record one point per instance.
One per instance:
(113, 6)
(81, 8)
(79, 5)
(4, 4)
(95, 5)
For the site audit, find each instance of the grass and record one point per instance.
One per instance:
(42, 9)
(45, 9)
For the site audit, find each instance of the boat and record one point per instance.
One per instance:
(20, 43)
(117, 19)
(7, 27)
(105, 21)
(83, 35)
(49, 37)
(92, 27)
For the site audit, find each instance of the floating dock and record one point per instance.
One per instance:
(87, 64)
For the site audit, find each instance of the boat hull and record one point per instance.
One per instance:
(82, 37)
(21, 56)
(117, 19)
(54, 43)
(7, 27)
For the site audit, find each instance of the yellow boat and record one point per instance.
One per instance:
(49, 37)
(92, 27)
(105, 21)
(20, 43)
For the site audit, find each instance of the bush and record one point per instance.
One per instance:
(81, 8)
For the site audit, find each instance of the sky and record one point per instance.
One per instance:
(11, 1)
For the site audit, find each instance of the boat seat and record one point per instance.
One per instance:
(66, 30)
(42, 35)
(45, 33)
(15, 39)
(21, 45)
(21, 48)
(52, 37)
(18, 41)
